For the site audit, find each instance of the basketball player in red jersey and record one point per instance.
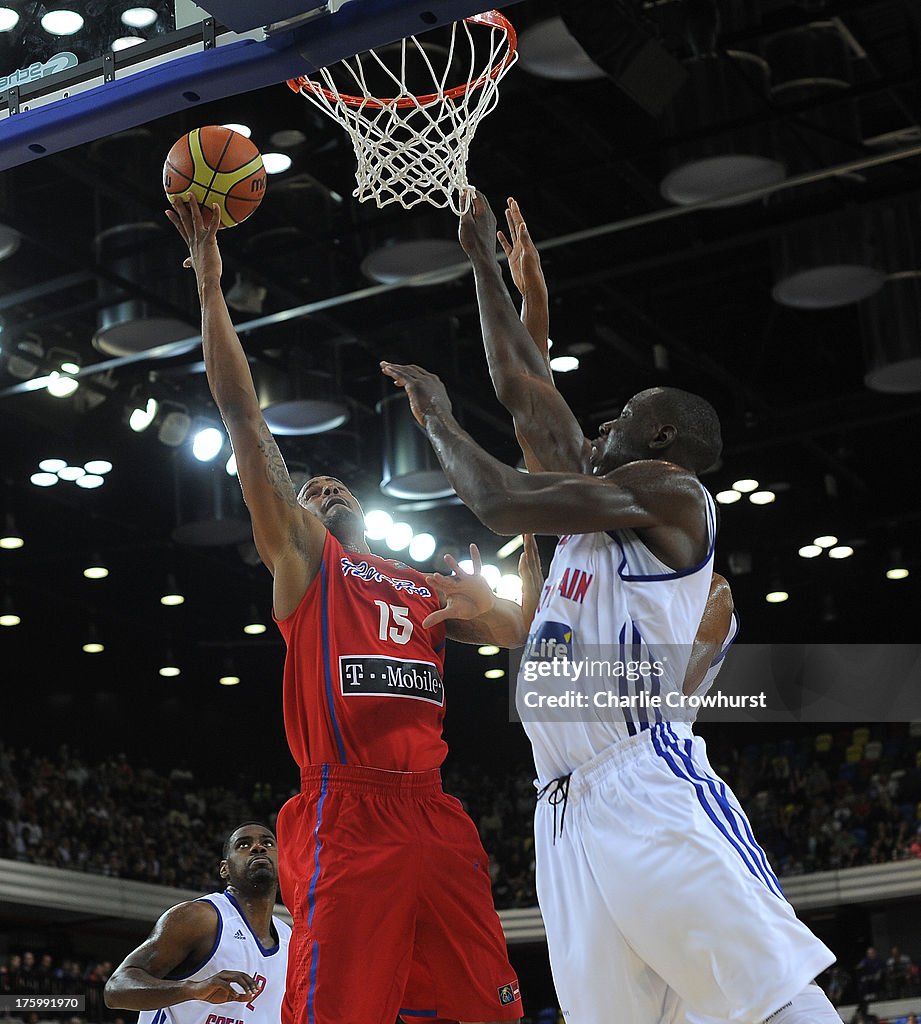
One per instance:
(383, 873)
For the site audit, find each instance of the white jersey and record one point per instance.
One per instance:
(607, 600)
(236, 948)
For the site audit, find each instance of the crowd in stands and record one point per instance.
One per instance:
(815, 803)
(31, 974)
(818, 802)
(832, 800)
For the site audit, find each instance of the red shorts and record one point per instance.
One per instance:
(388, 885)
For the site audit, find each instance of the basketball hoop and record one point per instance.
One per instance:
(412, 146)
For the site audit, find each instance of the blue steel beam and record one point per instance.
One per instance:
(227, 70)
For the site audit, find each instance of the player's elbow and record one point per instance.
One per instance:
(110, 994)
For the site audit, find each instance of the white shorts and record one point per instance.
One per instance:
(660, 907)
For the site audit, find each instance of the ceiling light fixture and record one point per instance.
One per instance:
(126, 42)
(172, 595)
(762, 497)
(8, 614)
(141, 416)
(174, 427)
(44, 479)
(564, 364)
(229, 676)
(422, 547)
(809, 551)
(897, 569)
(776, 596)
(399, 536)
(494, 673)
(168, 669)
(71, 473)
(510, 587)
(62, 22)
(254, 624)
(12, 538)
(487, 650)
(240, 129)
(9, 19)
(492, 574)
(826, 541)
(90, 481)
(51, 465)
(98, 466)
(745, 485)
(841, 551)
(276, 163)
(139, 17)
(60, 385)
(728, 497)
(377, 524)
(92, 644)
(207, 444)
(96, 570)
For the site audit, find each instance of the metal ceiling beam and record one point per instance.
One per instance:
(52, 287)
(614, 227)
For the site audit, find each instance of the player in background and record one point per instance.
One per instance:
(655, 896)
(223, 948)
(384, 874)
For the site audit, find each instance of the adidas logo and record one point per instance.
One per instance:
(239, 934)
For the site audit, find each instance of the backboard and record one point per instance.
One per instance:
(86, 85)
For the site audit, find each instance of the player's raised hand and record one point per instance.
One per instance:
(425, 391)
(219, 988)
(466, 595)
(523, 257)
(477, 231)
(199, 234)
(532, 579)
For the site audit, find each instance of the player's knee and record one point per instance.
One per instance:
(811, 1006)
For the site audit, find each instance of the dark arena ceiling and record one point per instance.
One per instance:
(644, 293)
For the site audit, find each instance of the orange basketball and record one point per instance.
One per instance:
(217, 165)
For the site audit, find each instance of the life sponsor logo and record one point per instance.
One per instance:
(376, 676)
(363, 570)
(551, 641)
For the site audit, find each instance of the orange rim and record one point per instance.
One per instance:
(493, 19)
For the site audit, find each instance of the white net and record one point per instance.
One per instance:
(412, 146)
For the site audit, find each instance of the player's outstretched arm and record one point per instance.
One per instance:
(712, 633)
(285, 536)
(183, 938)
(517, 352)
(658, 497)
(471, 612)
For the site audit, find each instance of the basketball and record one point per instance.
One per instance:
(217, 165)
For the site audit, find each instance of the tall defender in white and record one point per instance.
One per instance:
(659, 905)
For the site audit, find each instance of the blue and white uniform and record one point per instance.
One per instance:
(236, 948)
(659, 906)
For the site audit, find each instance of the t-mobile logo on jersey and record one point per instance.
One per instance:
(390, 677)
(574, 584)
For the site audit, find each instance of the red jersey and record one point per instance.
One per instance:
(363, 679)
